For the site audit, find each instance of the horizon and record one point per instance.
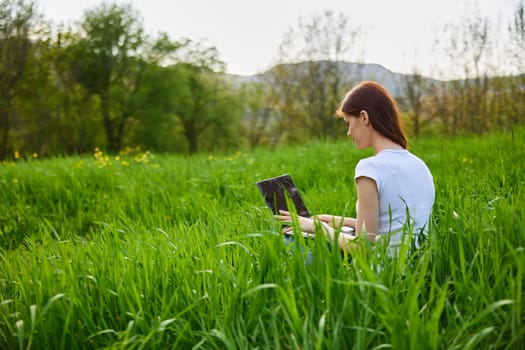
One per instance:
(249, 45)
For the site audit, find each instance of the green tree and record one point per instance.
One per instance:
(261, 119)
(226, 110)
(204, 101)
(181, 102)
(109, 64)
(155, 126)
(63, 120)
(17, 18)
(77, 110)
(36, 127)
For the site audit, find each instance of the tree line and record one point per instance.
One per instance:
(103, 82)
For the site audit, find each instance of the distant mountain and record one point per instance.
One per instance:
(355, 72)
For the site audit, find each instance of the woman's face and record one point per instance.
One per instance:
(357, 129)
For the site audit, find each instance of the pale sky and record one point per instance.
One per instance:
(398, 34)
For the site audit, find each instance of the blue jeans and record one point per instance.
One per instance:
(288, 239)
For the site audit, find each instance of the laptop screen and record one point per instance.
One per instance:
(276, 189)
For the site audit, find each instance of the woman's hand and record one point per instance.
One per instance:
(336, 221)
(306, 224)
(331, 220)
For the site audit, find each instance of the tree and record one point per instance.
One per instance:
(468, 48)
(77, 110)
(36, 129)
(63, 120)
(310, 76)
(415, 88)
(204, 101)
(517, 50)
(154, 124)
(16, 20)
(181, 102)
(109, 64)
(260, 122)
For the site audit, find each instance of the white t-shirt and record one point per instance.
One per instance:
(404, 182)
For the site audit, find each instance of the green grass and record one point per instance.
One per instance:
(157, 251)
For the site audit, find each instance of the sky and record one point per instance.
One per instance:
(397, 34)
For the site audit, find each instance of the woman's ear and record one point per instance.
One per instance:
(364, 116)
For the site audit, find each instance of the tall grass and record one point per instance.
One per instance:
(146, 251)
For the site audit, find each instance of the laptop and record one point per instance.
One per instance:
(276, 189)
(279, 191)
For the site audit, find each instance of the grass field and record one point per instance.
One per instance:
(142, 251)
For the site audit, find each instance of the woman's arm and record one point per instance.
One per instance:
(367, 220)
(367, 217)
(367, 207)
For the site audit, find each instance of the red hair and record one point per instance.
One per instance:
(381, 107)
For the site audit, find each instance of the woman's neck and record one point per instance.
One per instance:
(381, 143)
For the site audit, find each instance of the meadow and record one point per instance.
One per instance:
(152, 251)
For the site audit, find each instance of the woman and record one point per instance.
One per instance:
(395, 189)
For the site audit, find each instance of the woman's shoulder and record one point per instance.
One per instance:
(368, 161)
(395, 155)
(370, 166)
(391, 159)
(386, 156)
